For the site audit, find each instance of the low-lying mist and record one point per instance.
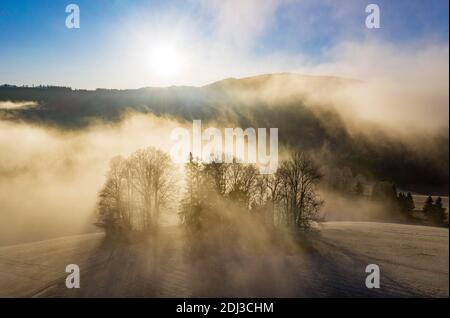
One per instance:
(55, 150)
(50, 178)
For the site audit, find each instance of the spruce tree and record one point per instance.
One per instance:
(428, 206)
(439, 214)
(190, 203)
(409, 204)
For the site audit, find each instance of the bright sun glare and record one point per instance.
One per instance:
(165, 60)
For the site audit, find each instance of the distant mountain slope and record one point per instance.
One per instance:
(66, 107)
(286, 101)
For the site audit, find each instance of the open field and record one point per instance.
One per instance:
(413, 262)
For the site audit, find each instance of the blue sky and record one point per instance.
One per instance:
(206, 40)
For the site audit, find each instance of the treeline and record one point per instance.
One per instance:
(41, 86)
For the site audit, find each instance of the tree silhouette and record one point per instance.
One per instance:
(438, 215)
(428, 206)
(299, 176)
(409, 203)
(135, 191)
(386, 193)
(406, 204)
(191, 202)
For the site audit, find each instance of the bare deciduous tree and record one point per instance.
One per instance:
(298, 176)
(135, 191)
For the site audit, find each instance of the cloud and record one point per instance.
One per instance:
(238, 24)
(405, 86)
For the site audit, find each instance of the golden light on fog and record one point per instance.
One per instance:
(166, 60)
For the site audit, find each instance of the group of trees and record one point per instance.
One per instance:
(435, 211)
(343, 181)
(287, 197)
(135, 191)
(406, 203)
(138, 188)
(403, 204)
(386, 193)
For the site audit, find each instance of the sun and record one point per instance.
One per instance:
(165, 60)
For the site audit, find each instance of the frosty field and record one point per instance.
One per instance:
(413, 261)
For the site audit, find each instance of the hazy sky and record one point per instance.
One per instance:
(136, 43)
